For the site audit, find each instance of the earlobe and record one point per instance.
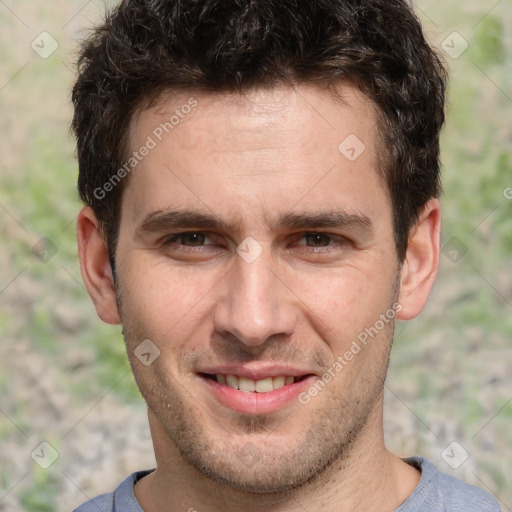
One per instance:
(95, 266)
(421, 262)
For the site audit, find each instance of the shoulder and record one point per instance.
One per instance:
(121, 500)
(455, 495)
(464, 497)
(103, 503)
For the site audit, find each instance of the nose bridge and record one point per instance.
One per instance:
(254, 305)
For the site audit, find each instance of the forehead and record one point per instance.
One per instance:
(257, 151)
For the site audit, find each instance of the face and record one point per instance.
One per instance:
(253, 252)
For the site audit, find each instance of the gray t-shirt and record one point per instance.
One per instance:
(436, 492)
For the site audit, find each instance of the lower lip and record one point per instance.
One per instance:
(257, 403)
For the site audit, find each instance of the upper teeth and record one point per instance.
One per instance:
(260, 386)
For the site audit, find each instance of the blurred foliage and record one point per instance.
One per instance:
(41, 496)
(488, 42)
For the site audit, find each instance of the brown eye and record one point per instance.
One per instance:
(317, 239)
(192, 239)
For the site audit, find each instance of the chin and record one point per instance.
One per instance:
(260, 479)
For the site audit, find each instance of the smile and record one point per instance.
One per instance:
(256, 396)
(248, 385)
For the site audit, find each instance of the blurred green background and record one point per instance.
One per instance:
(64, 376)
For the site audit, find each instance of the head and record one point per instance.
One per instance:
(146, 48)
(286, 200)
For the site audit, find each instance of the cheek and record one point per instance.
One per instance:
(161, 300)
(343, 302)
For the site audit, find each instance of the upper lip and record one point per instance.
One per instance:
(255, 372)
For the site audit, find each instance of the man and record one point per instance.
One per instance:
(261, 181)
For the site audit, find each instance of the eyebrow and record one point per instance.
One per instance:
(162, 220)
(335, 219)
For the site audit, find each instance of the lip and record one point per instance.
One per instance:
(253, 402)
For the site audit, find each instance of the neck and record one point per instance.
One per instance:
(369, 478)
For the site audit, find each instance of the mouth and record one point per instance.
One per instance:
(264, 395)
(247, 385)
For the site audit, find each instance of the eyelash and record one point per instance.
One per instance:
(333, 240)
(173, 239)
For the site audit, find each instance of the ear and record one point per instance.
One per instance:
(421, 262)
(95, 266)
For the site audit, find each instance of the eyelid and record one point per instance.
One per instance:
(172, 238)
(323, 233)
(333, 237)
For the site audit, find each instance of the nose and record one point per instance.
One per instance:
(254, 304)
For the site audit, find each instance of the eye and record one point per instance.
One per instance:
(188, 239)
(317, 239)
(316, 244)
(193, 246)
